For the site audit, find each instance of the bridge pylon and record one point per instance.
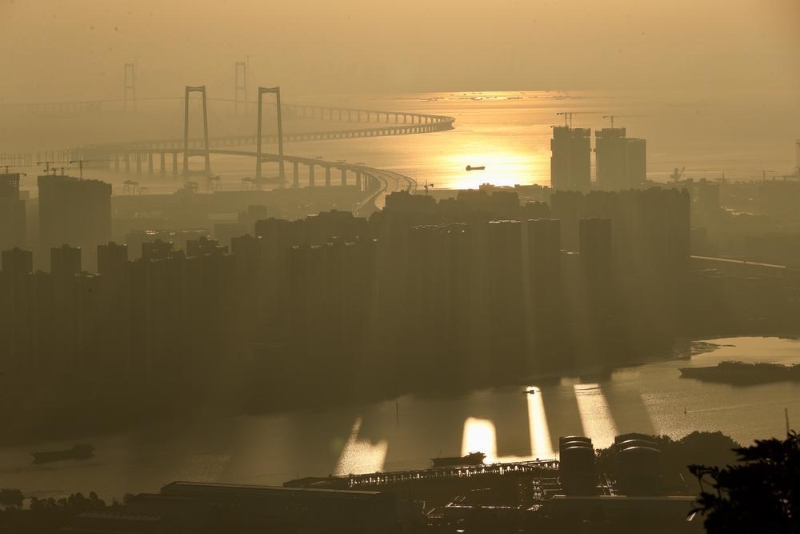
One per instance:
(281, 174)
(129, 87)
(187, 152)
(239, 86)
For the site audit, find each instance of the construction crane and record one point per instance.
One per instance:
(568, 115)
(130, 186)
(214, 183)
(46, 165)
(677, 174)
(50, 168)
(6, 167)
(81, 161)
(618, 117)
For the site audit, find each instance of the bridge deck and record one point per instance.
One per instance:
(381, 479)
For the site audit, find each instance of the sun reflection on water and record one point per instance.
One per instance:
(361, 456)
(480, 435)
(596, 418)
(504, 166)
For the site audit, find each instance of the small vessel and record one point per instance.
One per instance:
(81, 451)
(530, 390)
(479, 168)
(473, 458)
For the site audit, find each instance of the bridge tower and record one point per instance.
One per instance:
(797, 158)
(129, 87)
(240, 85)
(261, 92)
(195, 152)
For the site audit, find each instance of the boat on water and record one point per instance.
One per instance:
(478, 168)
(743, 373)
(473, 458)
(81, 451)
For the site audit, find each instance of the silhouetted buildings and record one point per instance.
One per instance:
(12, 213)
(211, 508)
(74, 212)
(621, 161)
(471, 291)
(570, 167)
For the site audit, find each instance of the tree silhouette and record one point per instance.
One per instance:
(761, 493)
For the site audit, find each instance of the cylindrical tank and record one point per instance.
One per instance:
(577, 470)
(577, 458)
(639, 470)
(566, 444)
(564, 439)
(632, 435)
(622, 445)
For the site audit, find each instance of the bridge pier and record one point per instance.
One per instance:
(163, 163)
(116, 162)
(311, 175)
(344, 177)
(296, 174)
(358, 179)
(138, 163)
(150, 163)
(127, 163)
(175, 163)
(327, 176)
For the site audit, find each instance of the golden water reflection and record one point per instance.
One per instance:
(596, 418)
(505, 164)
(361, 456)
(480, 434)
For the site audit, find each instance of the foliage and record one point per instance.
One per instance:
(759, 494)
(48, 515)
(75, 503)
(708, 448)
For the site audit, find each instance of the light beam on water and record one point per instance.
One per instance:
(361, 456)
(596, 418)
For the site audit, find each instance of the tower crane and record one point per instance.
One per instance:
(46, 165)
(6, 167)
(568, 115)
(81, 161)
(677, 174)
(618, 117)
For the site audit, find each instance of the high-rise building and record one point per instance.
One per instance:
(65, 261)
(12, 213)
(621, 160)
(570, 162)
(17, 262)
(112, 259)
(595, 250)
(74, 212)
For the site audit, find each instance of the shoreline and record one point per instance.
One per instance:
(152, 412)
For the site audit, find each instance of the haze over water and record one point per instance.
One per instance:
(509, 132)
(405, 433)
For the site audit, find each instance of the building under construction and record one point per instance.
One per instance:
(621, 161)
(12, 213)
(570, 163)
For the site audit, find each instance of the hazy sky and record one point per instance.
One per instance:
(68, 49)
